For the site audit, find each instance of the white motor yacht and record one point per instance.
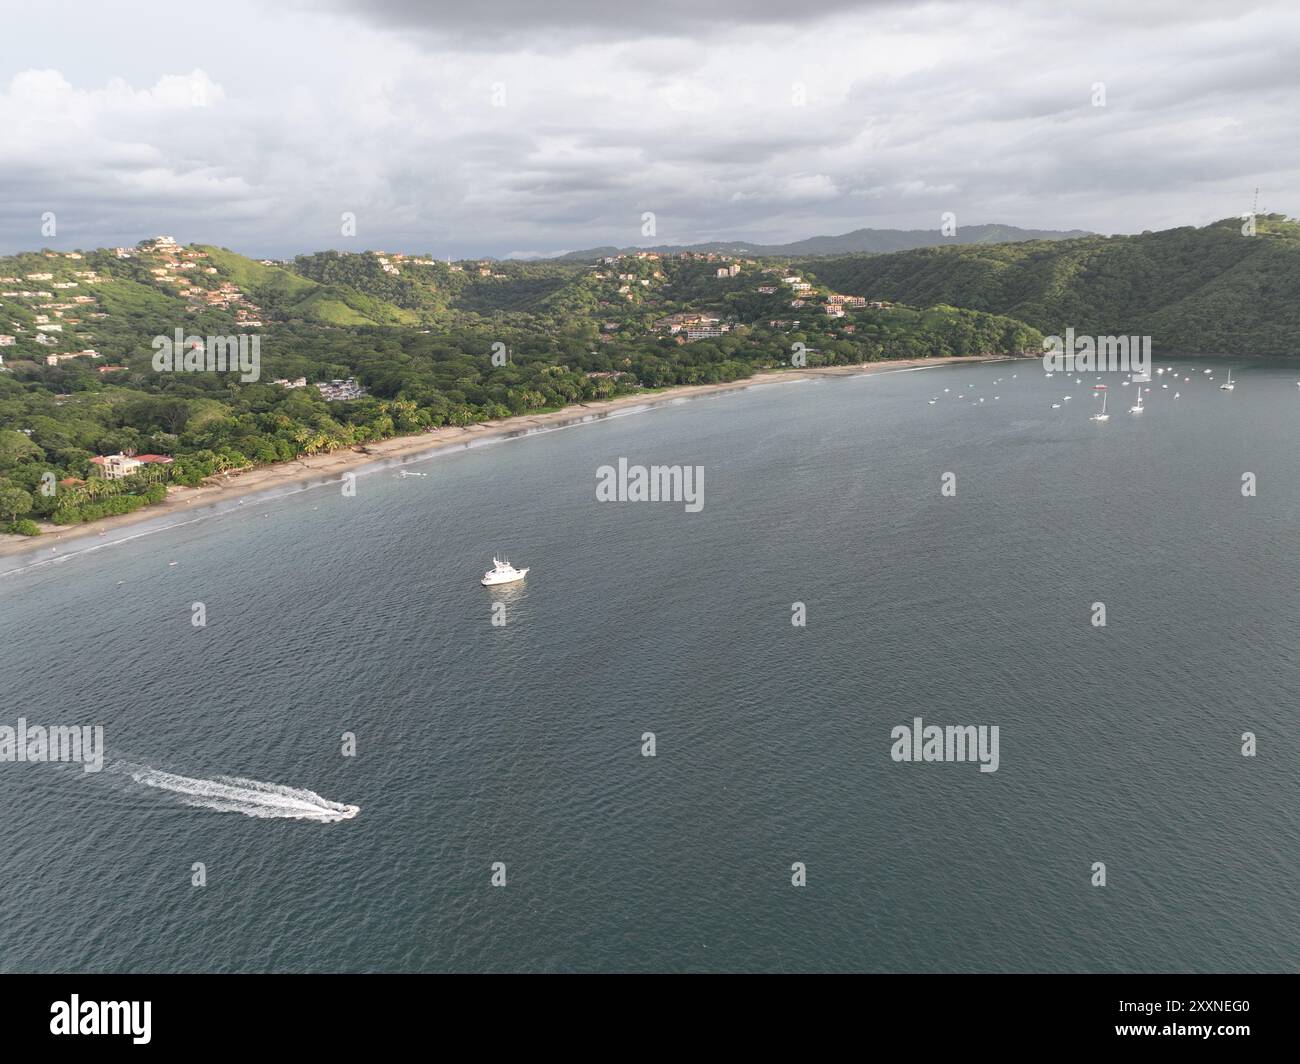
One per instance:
(502, 573)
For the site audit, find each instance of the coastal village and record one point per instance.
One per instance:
(72, 312)
(60, 314)
(50, 314)
(632, 283)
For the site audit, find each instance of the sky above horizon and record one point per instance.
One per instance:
(521, 128)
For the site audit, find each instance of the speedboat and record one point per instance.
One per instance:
(502, 573)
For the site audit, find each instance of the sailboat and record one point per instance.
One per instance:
(1137, 407)
(1103, 416)
(1229, 386)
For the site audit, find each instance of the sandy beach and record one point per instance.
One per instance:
(329, 466)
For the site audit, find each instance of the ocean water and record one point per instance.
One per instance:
(521, 743)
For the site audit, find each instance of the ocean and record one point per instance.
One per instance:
(515, 750)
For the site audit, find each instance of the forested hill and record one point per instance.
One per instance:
(1208, 290)
(356, 347)
(362, 346)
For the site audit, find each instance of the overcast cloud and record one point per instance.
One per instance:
(522, 127)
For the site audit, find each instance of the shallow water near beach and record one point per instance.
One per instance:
(522, 743)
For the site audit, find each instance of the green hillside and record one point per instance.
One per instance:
(1208, 290)
(358, 347)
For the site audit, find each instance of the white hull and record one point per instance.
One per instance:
(493, 578)
(502, 573)
(1102, 416)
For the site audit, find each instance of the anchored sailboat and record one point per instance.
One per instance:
(1102, 416)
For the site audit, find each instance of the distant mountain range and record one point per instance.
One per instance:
(872, 241)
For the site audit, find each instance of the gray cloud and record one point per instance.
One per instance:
(447, 128)
(485, 25)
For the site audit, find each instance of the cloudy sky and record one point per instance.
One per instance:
(473, 127)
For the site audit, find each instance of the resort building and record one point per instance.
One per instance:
(117, 466)
(338, 391)
(705, 331)
(54, 360)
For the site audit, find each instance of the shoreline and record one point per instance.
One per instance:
(304, 471)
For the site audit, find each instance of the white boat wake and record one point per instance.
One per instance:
(231, 794)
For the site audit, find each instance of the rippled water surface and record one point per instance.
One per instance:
(522, 743)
